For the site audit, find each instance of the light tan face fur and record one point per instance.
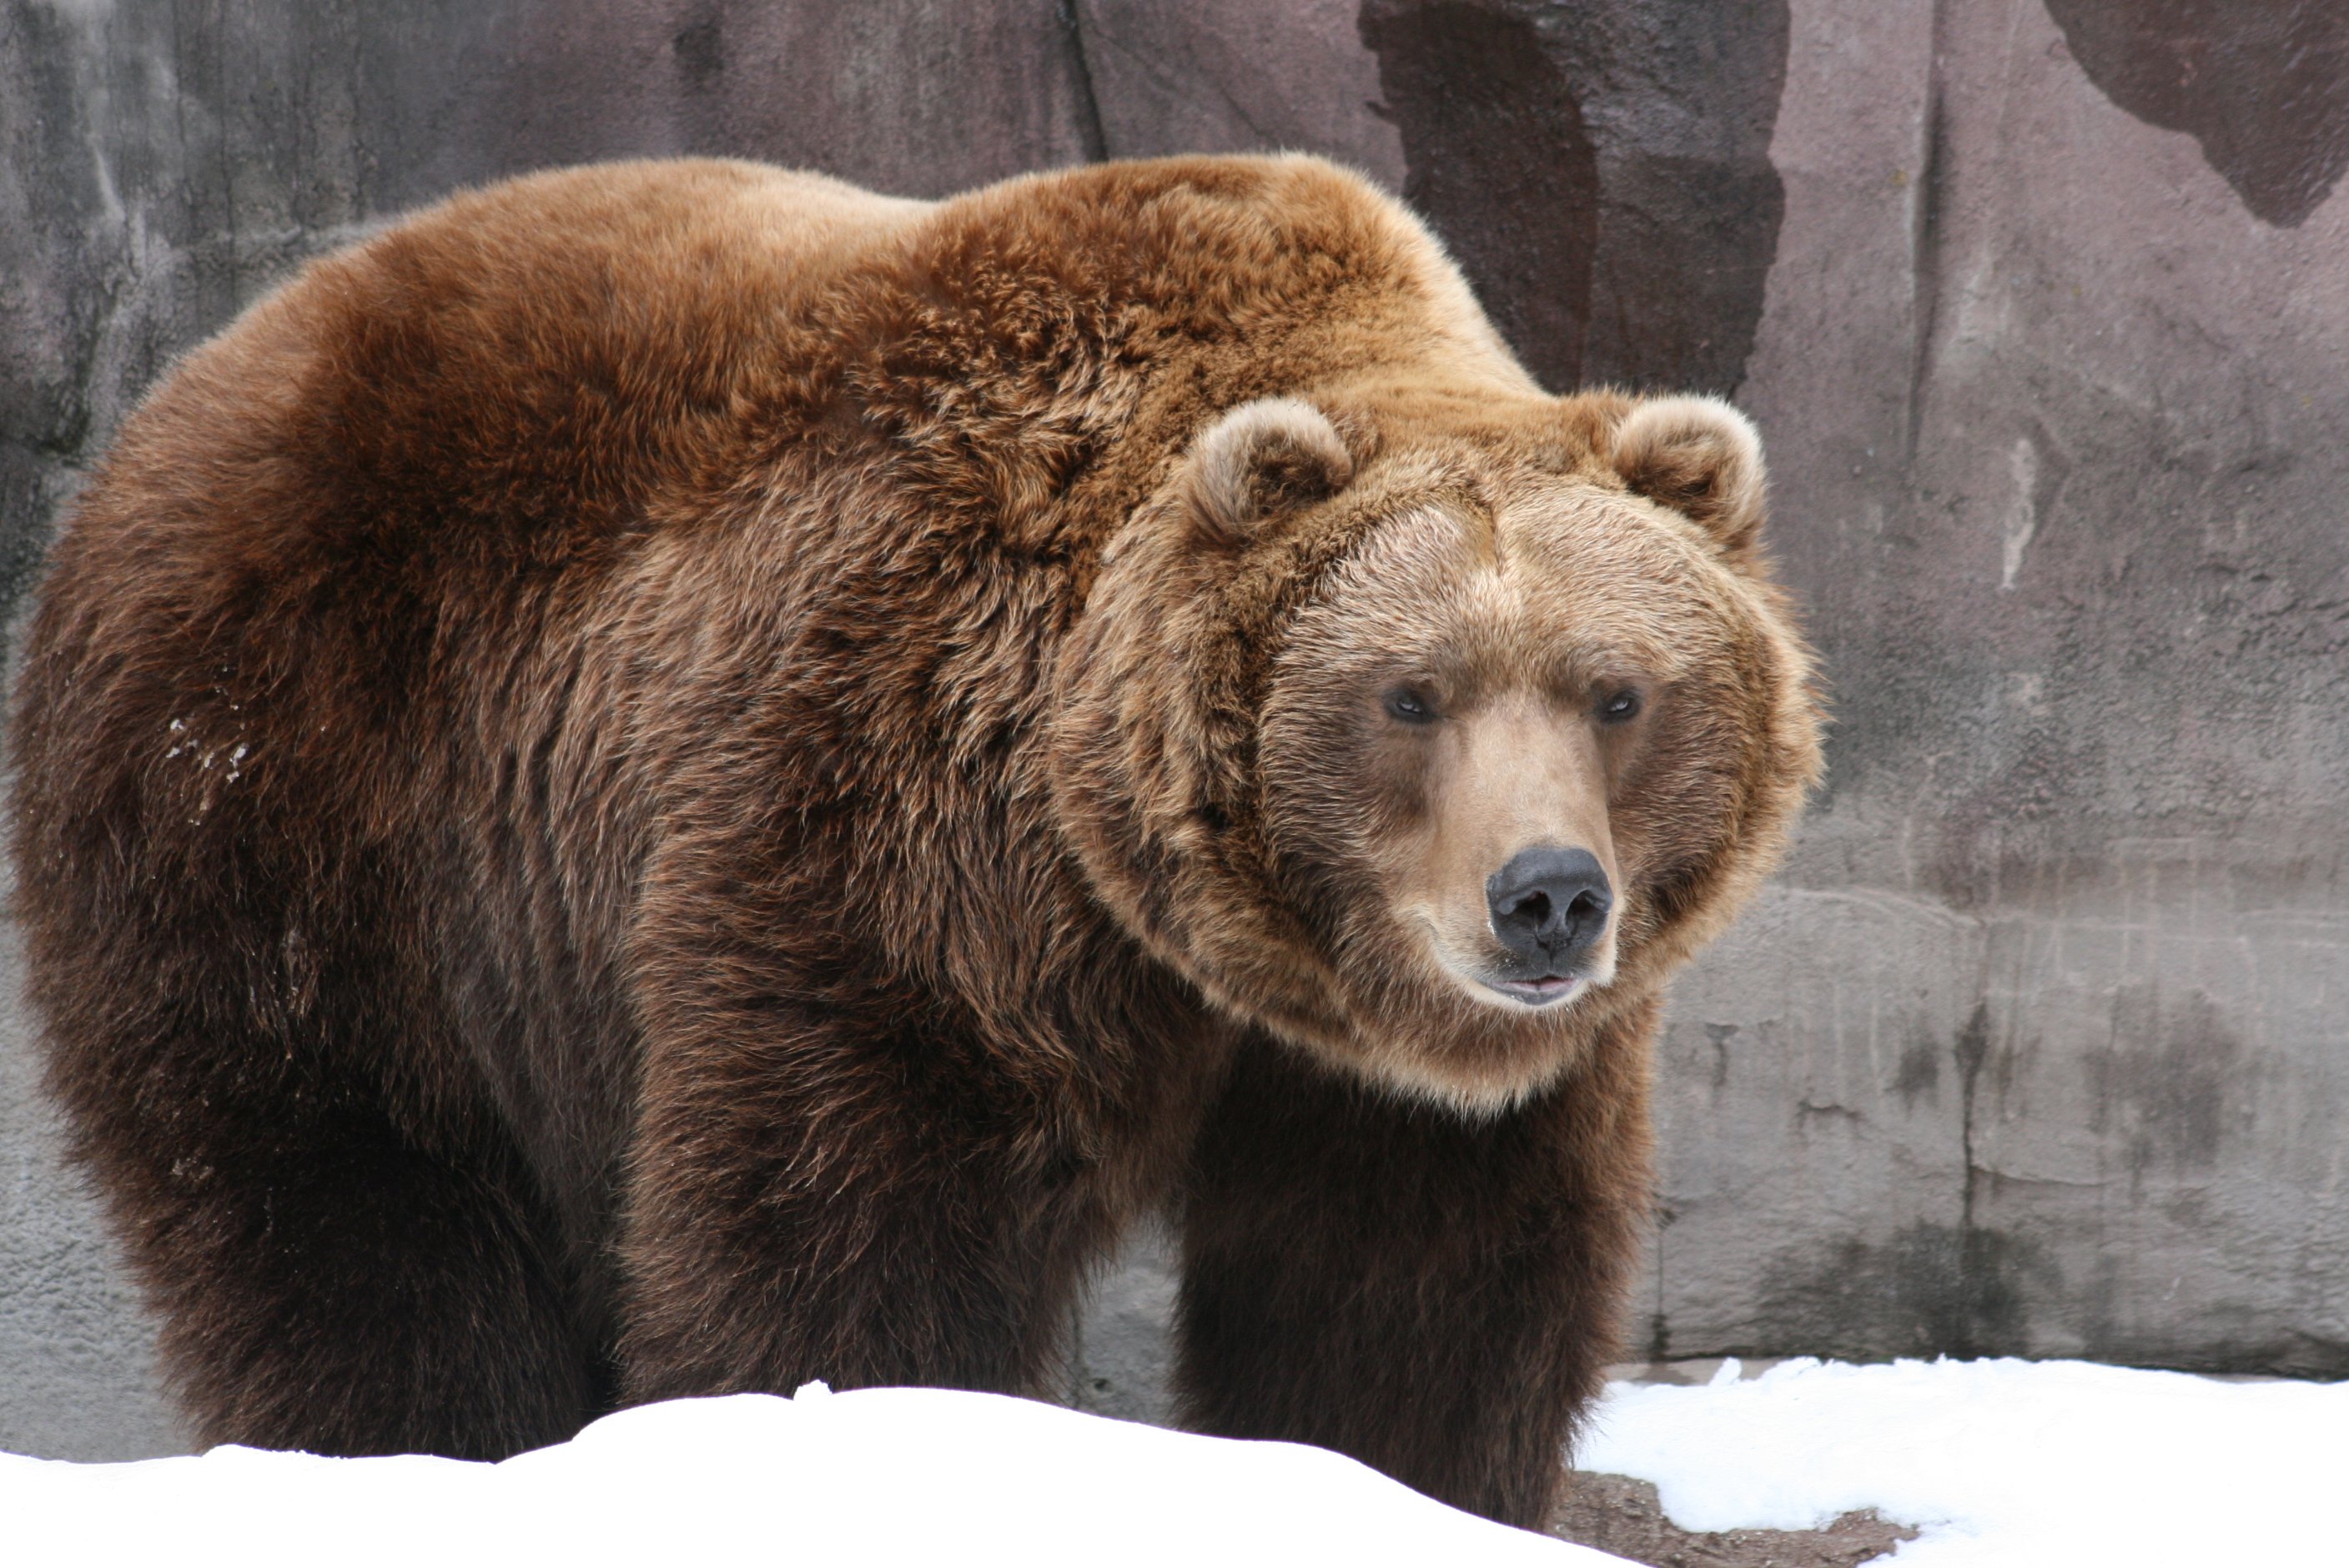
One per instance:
(1408, 678)
(1520, 773)
(1502, 654)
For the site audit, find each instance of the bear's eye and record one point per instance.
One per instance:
(1410, 705)
(1624, 705)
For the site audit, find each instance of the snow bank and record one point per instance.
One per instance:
(2004, 1463)
(2007, 1463)
(877, 1476)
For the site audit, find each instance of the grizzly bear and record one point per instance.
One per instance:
(677, 778)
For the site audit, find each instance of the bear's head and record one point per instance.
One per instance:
(1432, 732)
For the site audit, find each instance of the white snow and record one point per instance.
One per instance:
(878, 1476)
(2016, 1464)
(2007, 1463)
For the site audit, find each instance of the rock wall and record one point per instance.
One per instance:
(2037, 1047)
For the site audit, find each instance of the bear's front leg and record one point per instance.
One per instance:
(867, 1199)
(1436, 1294)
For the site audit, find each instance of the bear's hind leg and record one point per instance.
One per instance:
(325, 1284)
(1434, 1295)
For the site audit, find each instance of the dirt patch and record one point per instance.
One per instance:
(1617, 1515)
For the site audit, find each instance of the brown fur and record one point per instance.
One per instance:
(675, 778)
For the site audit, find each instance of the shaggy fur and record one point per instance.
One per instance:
(677, 778)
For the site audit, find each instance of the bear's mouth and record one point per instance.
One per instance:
(1538, 993)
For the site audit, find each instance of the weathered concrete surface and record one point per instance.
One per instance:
(1121, 1361)
(2038, 1046)
(77, 1367)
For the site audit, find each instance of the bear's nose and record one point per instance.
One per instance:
(1549, 904)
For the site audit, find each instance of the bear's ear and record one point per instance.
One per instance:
(1260, 459)
(1700, 457)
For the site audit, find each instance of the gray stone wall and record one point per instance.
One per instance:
(2038, 1045)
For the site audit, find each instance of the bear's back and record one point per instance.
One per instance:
(523, 367)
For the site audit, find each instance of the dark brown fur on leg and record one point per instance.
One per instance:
(324, 1280)
(306, 1175)
(385, 1303)
(1436, 1296)
(829, 1182)
(934, 1235)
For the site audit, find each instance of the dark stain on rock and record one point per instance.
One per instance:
(1919, 1073)
(1720, 1035)
(2263, 85)
(700, 47)
(1970, 1050)
(2288, 1352)
(1972, 1046)
(1928, 1289)
(1499, 162)
(1601, 173)
(2170, 1084)
(1659, 1323)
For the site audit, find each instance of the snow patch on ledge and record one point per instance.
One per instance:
(2001, 1464)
